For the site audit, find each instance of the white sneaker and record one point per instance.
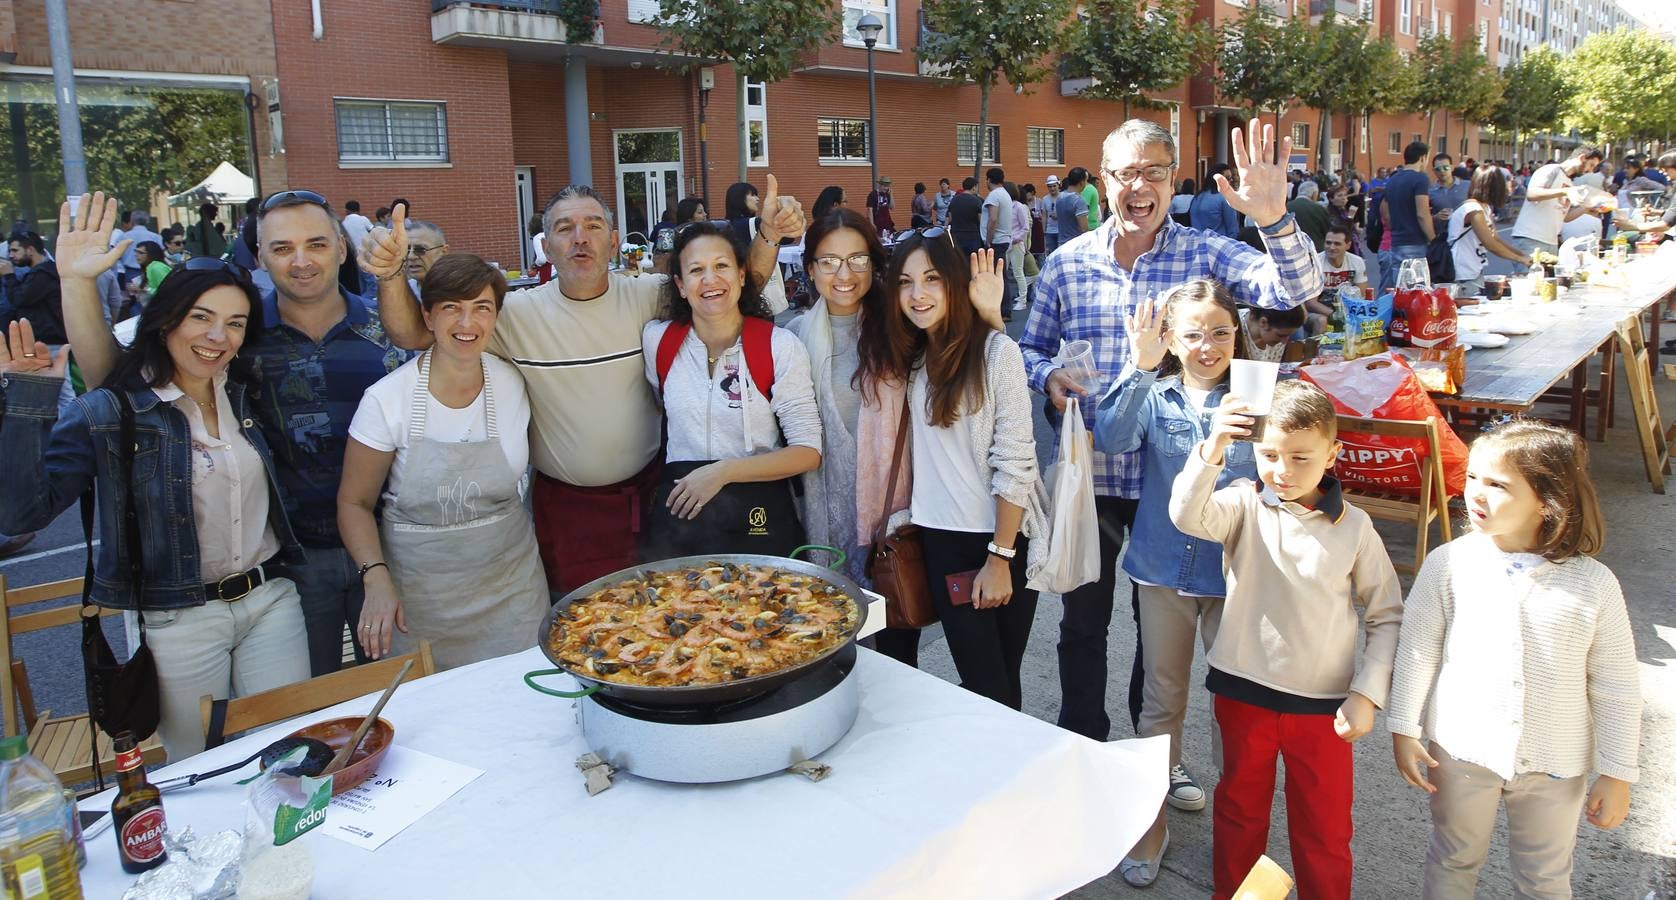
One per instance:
(1185, 793)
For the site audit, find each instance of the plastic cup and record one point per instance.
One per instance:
(1252, 382)
(1078, 359)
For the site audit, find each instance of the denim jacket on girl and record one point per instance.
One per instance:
(1143, 412)
(52, 461)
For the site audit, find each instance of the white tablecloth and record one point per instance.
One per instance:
(936, 792)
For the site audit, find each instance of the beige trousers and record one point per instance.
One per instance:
(224, 650)
(1542, 817)
(1169, 622)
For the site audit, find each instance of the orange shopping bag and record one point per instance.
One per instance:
(1384, 387)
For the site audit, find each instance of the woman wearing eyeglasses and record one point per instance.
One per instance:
(194, 533)
(972, 452)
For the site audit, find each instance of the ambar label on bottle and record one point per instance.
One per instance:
(142, 836)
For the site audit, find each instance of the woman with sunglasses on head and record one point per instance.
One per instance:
(195, 535)
(973, 452)
(443, 441)
(739, 408)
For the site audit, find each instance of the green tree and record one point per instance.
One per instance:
(1378, 80)
(1434, 64)
(1534, 95)
(1130, 47)
(1332, 77)
(1622, 85)
(983, 41)
(1475, 86)
(763, 39)
(1254, 65)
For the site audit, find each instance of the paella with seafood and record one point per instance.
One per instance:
(698, 625)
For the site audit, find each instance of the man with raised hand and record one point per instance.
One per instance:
(594, 420)
(1085, 291)
(317, 350)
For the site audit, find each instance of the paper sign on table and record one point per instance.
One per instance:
(407, 785)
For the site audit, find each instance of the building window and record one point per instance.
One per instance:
(884, 9)
(1406, 17)
(841, 140)
(1046, 146)
(966, 144)
(1300, 134)
(1448, 25)
(392, 131)
(1175, 123)
(756, 121)
(1419, 138)
(1395, 146)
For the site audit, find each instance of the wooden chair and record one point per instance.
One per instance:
(221, 718)
(61, 743)
(1433, 502)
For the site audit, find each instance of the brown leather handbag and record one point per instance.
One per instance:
(896, 563)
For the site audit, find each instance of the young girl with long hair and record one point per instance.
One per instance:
(973, 453)
(1180, 349)
(1516, 671)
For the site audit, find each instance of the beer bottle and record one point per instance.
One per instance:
(137, 811)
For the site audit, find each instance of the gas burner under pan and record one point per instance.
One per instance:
(727, 741)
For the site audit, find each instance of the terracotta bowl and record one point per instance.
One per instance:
(335, 733)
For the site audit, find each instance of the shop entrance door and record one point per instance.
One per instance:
(648, 163)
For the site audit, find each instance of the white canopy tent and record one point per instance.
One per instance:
(226, 186)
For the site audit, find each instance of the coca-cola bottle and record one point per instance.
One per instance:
(1398, 332)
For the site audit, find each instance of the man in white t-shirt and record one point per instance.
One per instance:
(594, 421)
(997, 230)
(1339, 267)
(1550, 201)
(355, 224)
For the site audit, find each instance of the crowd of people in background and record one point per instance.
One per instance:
(318, 423)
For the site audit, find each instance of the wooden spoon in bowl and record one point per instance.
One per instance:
(342, 759)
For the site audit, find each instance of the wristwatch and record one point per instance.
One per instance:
(1003, 552)
(1280, 225)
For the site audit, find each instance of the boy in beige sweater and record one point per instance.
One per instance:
(1304, 569)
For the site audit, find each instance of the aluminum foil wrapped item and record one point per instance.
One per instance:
(197, 869)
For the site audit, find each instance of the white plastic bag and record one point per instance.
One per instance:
(1073, 558)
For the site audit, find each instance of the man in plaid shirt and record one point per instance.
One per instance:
(1085, 290)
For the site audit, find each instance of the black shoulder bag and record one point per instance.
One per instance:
(120, 696)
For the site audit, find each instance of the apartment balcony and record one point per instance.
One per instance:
(537, 31)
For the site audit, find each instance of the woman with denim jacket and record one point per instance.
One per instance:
(216, 611)
(1180, 352)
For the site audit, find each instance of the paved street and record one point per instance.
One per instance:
(1637, 861)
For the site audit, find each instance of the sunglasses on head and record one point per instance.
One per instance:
(207, 264)
(292, 198)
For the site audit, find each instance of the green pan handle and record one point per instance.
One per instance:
(530, 677)
(842, 556)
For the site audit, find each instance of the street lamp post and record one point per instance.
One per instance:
(869, 27)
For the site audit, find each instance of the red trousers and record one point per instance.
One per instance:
(587, 532)
(1320, 788)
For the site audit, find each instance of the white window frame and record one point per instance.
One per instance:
(992, 158)
(1175, 123)
(1032, 157)
(757, 114)
(884, 9)
(863, 160)
(1394, 145)
(1405, 18)
(1449, 25)
(440, 107)
(1303, 144)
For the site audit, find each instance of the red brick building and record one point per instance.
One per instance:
(473, 113)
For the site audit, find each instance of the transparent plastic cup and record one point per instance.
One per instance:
(1078, 359)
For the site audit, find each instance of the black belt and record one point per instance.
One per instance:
(237, 585)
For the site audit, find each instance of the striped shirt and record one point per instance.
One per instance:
(309, 395)
(1083, 294)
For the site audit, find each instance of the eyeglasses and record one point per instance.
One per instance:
(1153, 174)
(860, 264)
(292, 198)
(207, 264)
(420, 249)
(178, 243)
(1223, 335)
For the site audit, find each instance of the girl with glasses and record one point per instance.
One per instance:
(971, 453)
(1180, 350)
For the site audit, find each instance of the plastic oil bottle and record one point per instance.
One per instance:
(37, 848)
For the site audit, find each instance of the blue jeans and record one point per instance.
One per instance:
(1050, 243)
(1391, 260)
(332, 594)
(1531, 245)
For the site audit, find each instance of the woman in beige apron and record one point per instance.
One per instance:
(455, 541)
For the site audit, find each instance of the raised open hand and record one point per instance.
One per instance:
(1149, 340)
(780, 217)
(21, 354)
(83, 249)
(1262, 190)
(988, 287)
(387, 254)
